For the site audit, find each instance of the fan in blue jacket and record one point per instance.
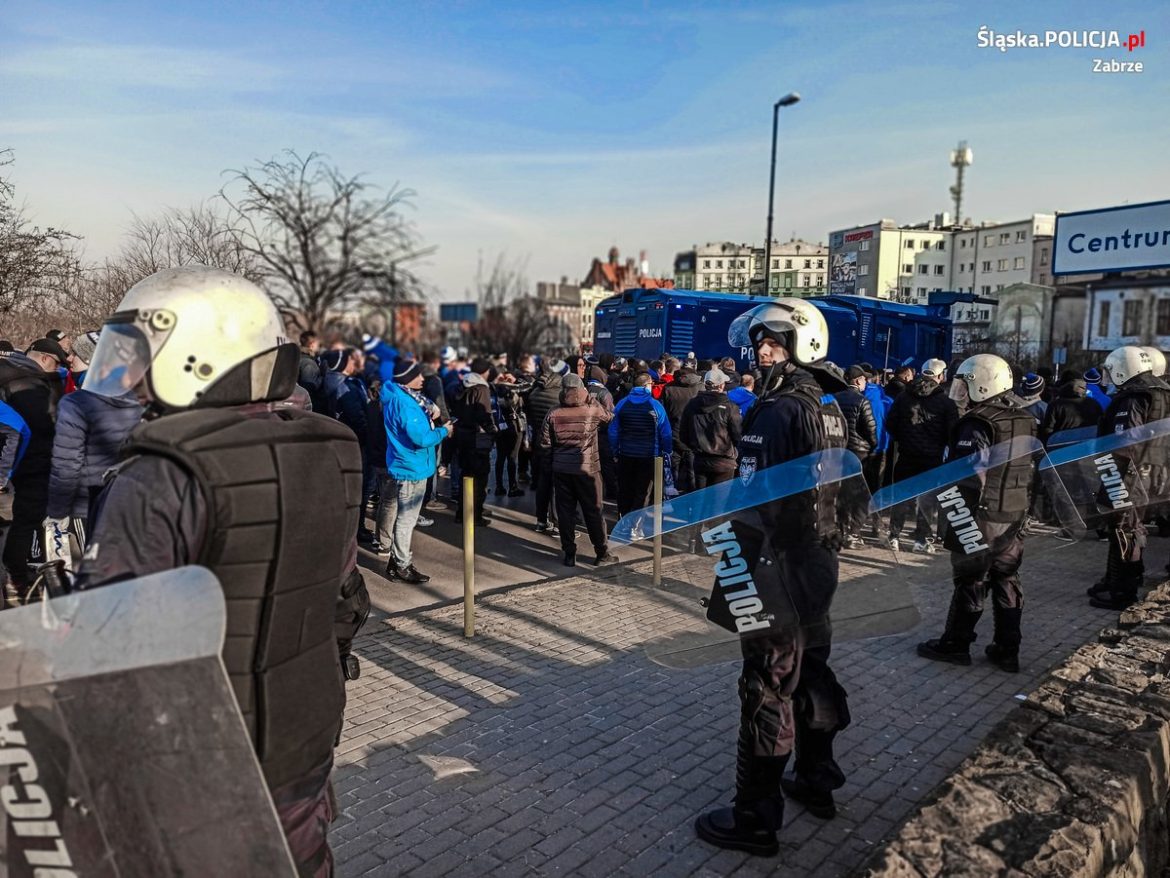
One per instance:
(639, 432)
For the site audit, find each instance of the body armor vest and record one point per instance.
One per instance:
(283, 492)
(1150, 459)
(1007, 488)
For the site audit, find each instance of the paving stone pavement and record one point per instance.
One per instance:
(580, 731)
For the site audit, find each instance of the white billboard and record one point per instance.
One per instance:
(1113, 239)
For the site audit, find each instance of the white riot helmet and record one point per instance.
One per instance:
(1126, 362)
(195, 336)
(1156, 357)
(984, 377)
(796, 323)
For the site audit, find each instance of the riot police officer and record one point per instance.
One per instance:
(267, 497)
(1141, 398)
(789, 697)
(985, 515)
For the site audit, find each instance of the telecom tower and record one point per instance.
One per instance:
(960, 159)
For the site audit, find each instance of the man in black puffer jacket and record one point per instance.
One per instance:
(91, 429)
(863, 439)
(675, 398)
(920, 421)
(545, 396)
(711, 428)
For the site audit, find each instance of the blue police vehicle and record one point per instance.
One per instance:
(645, 323)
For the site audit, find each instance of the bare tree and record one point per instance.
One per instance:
(33, 261)
(325, 243)
(197, 235)
(511, 320)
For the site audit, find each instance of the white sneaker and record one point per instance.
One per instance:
(423, 521)
(892, 544)
(925, 548)
(854, 542)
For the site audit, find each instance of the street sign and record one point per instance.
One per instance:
(1060, 356)
(458, 312)
(1113, 239)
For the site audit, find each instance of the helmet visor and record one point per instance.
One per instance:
(959, 391)
(129, 343)
(737, 334)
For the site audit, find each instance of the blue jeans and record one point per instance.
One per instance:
(399, 504)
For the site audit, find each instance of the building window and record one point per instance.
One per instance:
(1043, 255)
(775, 265)
(989, 240)
(940, 245)
(909, 243)
(938, 269)
(1001, 265)
(1103, 318)
(924, 269)
(774, 282)
(1131, 322)
(1019, 262)
(986, 265)
(788, 263)
(861, 291)
(907, 268)
(820, 280)
(787, 281)
(984, 290)
(706, 263)
(864, 245)
(807, 280)
(862, 270)
(1021, 236)
(905, 291)
(963, 243)
(820, 263)
(921, 291)
(998, 287)
(1162, 322)
(808, 263)
(1004, 237)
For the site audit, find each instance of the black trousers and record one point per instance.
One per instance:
(507, 449)
(542, 478)
(789, 696)
(29, 506)
(996, 570)
(705, 476)
(478, 464)
(635, 477)
(580, 491)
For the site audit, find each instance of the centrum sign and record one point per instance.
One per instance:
(1112, 239)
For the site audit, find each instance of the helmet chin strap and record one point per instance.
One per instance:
(773, 378)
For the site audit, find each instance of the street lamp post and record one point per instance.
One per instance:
(787, 101)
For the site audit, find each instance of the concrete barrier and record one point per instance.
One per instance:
(1074, 782)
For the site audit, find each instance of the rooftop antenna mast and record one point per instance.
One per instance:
(961, 158)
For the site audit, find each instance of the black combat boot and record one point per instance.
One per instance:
(1004, 652)
(1123, 590)
(954, 647)
(737, 830)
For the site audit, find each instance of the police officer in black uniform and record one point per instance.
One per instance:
(265, 496)
(985, 515)
(1141, 398)
(789, 697)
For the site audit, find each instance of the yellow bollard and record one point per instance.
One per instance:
(468, 556)
(657, 521)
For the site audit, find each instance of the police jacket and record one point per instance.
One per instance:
(787, 423)
(921, 420)
(476, 425)
(88, 441)
(1142, 399)
(863, 434)
(34, 395)
(1003, 492)
(1071, 410)
(711, 429)
(676, 395)
(570, 432)
(269, 503)
(545, 396)
(640, 427)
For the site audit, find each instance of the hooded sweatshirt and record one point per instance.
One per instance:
(473, 408)
(570, 432)
(711, 429)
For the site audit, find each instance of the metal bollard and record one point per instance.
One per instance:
(468, 556)
(658, 479)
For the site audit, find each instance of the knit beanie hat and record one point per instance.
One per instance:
(334, 361)
(1093, 376)
(1032, 384)
(558, 367)
(407, 371)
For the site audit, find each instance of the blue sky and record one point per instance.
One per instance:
(550, 132)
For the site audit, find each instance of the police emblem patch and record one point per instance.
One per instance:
(747, 469)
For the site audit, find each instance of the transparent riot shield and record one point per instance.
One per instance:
(122, 750)
(757, 557)
(1112, 480)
